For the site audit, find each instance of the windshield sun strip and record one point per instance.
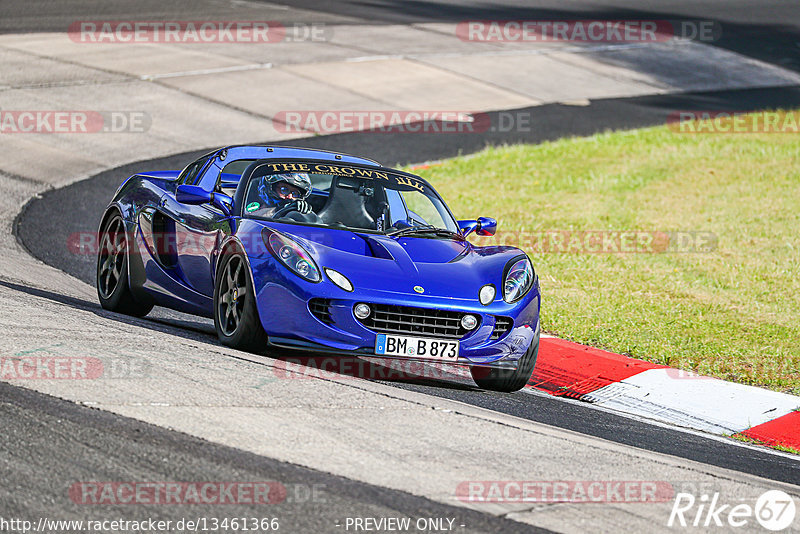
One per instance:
(392, 179)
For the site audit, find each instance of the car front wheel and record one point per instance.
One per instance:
(235, 312)
(508, 380)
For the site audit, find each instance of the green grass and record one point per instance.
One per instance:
(733, 313)
(776, 446)
(783, 448)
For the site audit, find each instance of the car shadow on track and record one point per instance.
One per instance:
(288, 364)
(184, 329)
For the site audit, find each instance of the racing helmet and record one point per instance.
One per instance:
(267, 188)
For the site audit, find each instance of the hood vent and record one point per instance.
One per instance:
(376, 248)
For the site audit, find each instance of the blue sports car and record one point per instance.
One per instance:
(290, 248)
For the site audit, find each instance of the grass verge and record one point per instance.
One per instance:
(776, 446)
(724, 302)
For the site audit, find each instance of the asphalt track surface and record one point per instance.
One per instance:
(68, 442)
(74, 443)
(44, 227)
(765, 29)
(768, 29)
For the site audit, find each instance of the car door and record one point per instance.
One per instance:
(157, 222)
(198, 232)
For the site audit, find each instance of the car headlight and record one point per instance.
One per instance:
(339, 279)
(486, 294)
(292, 256)
(518, 280)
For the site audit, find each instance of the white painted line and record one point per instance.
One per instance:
(577, 49)
(259, 5)
(660, 424)
(237, 68)
(526, 52)
(581, 102)
(384, 57)
(702, 403)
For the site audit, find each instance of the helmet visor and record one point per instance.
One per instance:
(288, 191)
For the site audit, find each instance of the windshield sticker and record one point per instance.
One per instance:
(410, 182)
(253, 206)
(322, 168)
(344, 170)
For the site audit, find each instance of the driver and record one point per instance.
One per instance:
(286, 194)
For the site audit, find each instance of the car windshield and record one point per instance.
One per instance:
(341, 196)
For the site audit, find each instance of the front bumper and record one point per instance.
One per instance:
(289, 323)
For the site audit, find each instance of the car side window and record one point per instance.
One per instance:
(230, 175)
(422, 209)
(321, 182)
(192, 171)
(397, 208)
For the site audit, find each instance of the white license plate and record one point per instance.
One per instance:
(416, 347)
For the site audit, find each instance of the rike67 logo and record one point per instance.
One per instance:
(774, 510)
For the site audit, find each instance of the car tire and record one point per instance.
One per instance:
(508, 380)
(235, 311)
(113, 284)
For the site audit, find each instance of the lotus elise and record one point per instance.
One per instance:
(322, 252)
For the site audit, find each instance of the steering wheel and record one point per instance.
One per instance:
(292, 206)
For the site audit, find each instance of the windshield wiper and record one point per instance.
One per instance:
(423, 229)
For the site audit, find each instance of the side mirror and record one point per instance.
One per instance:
(482, 226)
(193, 195)
(486, 226)
(196, 195)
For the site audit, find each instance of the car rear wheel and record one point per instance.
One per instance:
(235, 312)
(508, 380)
(113, 286)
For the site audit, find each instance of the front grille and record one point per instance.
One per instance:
(393, 319)
(321, 309)
(501, 326)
